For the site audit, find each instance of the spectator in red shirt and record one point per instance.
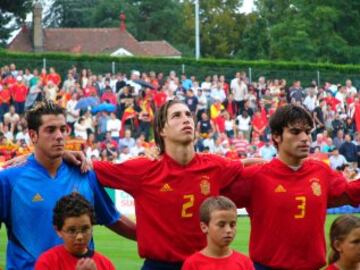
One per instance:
(5, 98)
(259, 124)
(109, 96)
(19, 93)
(89, 89)
(160, 97)
(44, 77)
(220, 122)
(53, 76)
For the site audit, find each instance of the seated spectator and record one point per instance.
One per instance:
(240, 143)
(80, 129)
(113, 126)
(11, 118)
(339, 139)
(205, 126)
(348, 150)
(244, 124)
(127, 140)
(267, 151)
(109, 96)
(336, 160)
(124, 155)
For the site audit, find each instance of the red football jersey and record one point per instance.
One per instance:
(287, 210)
(332, 267)
(167, 199)
(58, 258)
(236, 261)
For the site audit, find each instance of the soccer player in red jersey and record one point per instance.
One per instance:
(218, 221)
(168, 191)
(287, 198)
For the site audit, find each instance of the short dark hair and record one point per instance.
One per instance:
(72, 205)
(340, 228)
(214, 203)
(45, 107)
(160, 121)
(288, 115)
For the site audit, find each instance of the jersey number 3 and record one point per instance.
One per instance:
(301, 205)
(189, 203)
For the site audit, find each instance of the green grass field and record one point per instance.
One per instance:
(123, 253)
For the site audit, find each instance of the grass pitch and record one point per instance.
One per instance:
(123, 252)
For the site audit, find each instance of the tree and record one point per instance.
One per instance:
(159, 19)
(12, 15)
(255, 39)
(221, 26)
(67, 13)
(315, 30)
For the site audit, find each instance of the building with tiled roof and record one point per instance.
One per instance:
(112, 41)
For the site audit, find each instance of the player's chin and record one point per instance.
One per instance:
(302, 155)
(57, 154)
(227, 240)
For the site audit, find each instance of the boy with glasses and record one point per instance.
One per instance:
(73, 218)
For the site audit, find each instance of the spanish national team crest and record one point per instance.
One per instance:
(205, 185)
(315, 186)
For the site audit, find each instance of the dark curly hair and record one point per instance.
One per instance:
(72, 205)
(286, 115)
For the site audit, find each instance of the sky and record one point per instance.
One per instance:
(247, 6)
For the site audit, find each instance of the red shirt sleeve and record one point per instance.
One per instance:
(339, 185)
(353, 191)
(126, 176)
(240, 190)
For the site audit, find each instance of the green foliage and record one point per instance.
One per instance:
(292, 30)
(221, 26)
(312, 30)
(9, 10)
(65, 13)
(158, 19)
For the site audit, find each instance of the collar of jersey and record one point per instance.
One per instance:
(42, 169)
(174, 163)
(278, 163)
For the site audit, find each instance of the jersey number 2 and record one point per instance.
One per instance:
(189, 203)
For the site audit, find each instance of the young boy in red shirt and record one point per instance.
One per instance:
(218, 221)
(73, 220)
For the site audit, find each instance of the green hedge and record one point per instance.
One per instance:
(290, 71)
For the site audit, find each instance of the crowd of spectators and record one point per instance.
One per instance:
(231, 114)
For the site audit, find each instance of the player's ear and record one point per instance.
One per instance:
(204, 227)
(276, 138)
(337, 245)
(33, 136)
(58, 232)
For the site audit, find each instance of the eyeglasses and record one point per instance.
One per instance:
(73, 232)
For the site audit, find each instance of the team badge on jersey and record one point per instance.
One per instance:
(205, 185)
(315, 186)
(37, 198)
